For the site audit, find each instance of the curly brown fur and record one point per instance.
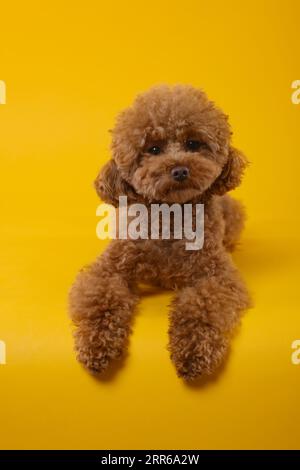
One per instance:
(234, 216)
(210, 294)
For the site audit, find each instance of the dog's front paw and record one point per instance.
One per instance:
(197, 353)
(99, 343)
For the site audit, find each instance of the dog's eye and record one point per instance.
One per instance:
(194, 145)
(155, 150)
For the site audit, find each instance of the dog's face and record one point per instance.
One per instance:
(172, 145)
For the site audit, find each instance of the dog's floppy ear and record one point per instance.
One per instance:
(110, 185)
(232, 172)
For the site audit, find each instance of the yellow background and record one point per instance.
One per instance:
(69, 68)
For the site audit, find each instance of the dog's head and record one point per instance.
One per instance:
(172, 145)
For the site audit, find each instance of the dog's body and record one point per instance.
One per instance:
(172, 146)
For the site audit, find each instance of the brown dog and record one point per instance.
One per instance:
(173, 146)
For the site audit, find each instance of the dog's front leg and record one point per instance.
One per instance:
(102, 301)
(202, 317)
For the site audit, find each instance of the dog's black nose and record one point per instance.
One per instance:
(180, 173)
